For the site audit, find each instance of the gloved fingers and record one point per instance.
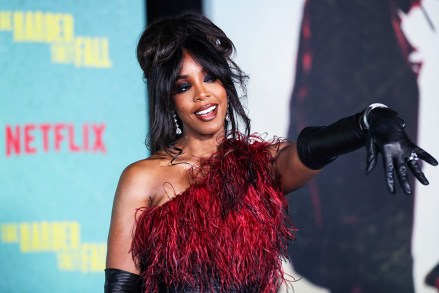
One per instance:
(402, 173)
(371, 158)
(388, 170)
(423, 155)
(417, 172)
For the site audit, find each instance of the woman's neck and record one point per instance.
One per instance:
(199, 147)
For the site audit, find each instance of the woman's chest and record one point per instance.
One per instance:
(169, 182)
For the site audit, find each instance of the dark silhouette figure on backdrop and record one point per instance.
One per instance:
(354, 236)
(432, 278)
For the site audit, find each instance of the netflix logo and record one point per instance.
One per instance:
(54, 137)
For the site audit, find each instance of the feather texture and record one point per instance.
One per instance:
(230, 227)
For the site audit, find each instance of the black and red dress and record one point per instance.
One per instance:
(228, 232)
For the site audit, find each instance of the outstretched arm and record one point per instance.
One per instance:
(378, 127)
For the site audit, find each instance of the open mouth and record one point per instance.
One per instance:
(206, 111)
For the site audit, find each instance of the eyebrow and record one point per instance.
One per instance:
(186, 76)
(181, 77)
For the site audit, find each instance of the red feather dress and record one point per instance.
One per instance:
(229, 229)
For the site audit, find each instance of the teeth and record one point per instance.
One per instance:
(210, 109)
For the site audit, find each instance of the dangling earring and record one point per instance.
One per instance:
(227, 113)
(177, 127)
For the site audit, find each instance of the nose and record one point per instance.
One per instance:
(201, 93)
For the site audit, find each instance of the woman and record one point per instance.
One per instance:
(206, 212)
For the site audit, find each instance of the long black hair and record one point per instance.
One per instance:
(160, 51)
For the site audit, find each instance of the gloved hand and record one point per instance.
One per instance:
(386, 135)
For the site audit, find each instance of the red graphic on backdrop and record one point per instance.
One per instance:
(54, 137)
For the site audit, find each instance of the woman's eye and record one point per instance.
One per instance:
(210, 78)
(182, 87)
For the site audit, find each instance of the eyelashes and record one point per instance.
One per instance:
(210, 78)
(184, 86)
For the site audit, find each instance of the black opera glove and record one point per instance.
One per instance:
(377, 127)
(317, 146)
(119, 281)
(386, 135)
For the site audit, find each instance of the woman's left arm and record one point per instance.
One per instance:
(378, 128)
(288, 168)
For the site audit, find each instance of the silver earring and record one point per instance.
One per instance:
(177, 127)
(227, 112)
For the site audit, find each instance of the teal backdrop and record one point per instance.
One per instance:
(72, 116)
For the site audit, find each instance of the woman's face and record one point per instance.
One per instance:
(200, 100)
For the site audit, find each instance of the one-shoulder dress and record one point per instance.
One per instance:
(227, 232)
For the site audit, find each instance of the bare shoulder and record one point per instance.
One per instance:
(136, 189)
(140, 181)
(136, 180)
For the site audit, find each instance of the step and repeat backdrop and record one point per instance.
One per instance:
(72, 116)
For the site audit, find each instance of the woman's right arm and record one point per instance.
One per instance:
(132, 193)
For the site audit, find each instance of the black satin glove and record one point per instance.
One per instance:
(386, 135)
(119, 281)
(379, 129)
(317, 146)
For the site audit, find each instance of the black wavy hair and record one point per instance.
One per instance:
(160, 51)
